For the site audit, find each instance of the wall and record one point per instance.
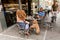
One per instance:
(44, 3)
(2, 22)
(2, 19)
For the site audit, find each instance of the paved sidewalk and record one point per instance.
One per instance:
(8, 37)
(13, 34)
(13, 31)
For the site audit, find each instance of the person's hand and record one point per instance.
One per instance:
(37, 16)
(58, 11)
(27, 22)
(52, 11)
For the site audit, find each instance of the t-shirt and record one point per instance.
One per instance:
(55, 7)
(41, 13)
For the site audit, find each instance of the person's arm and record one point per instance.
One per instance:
(52, 9)
(58, 8)
(17, 13)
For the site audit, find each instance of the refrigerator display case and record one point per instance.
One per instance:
(9, 9)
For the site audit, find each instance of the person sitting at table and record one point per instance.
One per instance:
(21, 16)
(41, 13)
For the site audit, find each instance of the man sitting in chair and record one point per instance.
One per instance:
(21, 16)
(41, 13)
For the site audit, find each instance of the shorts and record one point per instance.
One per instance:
(53, 17)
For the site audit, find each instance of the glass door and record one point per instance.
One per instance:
(34, 6)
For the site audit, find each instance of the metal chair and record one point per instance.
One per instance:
(21, 31)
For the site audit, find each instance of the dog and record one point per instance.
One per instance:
(35, 26)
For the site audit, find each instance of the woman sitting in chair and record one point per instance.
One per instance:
(21, 16)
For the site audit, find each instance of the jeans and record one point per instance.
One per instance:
(23, 25)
